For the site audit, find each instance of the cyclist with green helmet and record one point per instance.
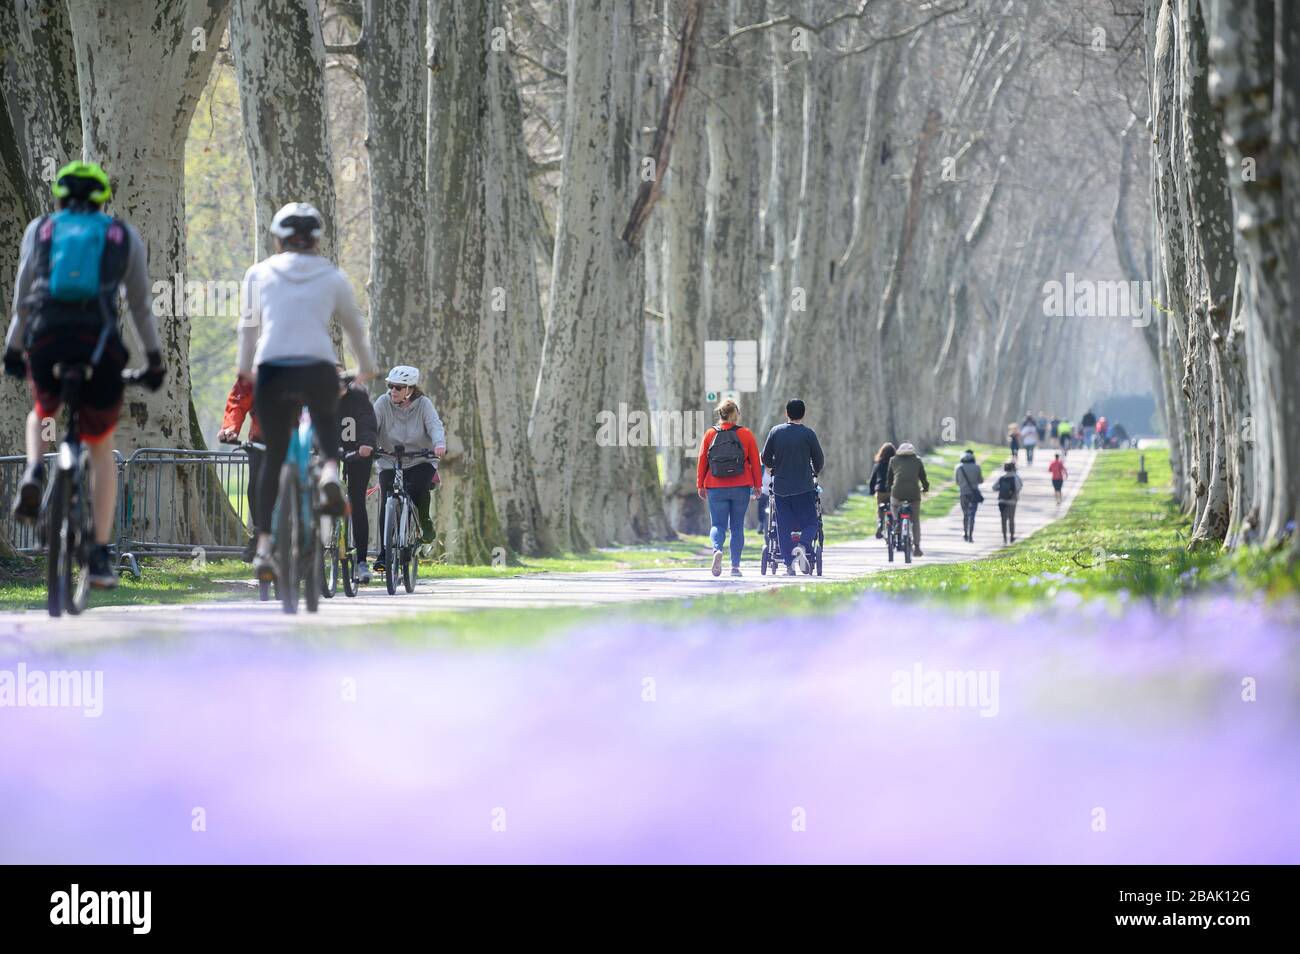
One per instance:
(71, 266)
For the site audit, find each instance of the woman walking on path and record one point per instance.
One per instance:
(1008, 487)
(969, 477)
(880, 484)
(1013, 440)
(1029, 437)
(1057, 469)
(727, 476)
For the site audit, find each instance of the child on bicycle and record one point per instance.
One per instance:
(880, 484)
(71, 266)
(285, 348)
(406, 416)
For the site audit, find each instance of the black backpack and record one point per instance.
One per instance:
(1007, 487)
(726, 453)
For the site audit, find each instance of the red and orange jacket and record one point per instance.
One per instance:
(752, 476)
(239, 403)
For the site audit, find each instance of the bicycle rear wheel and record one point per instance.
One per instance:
(331, 568)
(287, 540)
(55, 512)
(907, 545)
(80, 536)
(313, 557)
(346, 557)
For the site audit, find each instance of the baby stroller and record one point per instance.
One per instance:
(772, 540)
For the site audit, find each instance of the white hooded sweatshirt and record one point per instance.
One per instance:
(288, 302)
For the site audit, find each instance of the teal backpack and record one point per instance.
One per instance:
(81, 257)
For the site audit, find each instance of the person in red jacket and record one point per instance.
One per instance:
(1057, 469)
(239, 404)
(728, 476)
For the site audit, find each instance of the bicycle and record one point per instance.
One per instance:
(67, 519)
(401, 522)
(898, 534)
(340, 553)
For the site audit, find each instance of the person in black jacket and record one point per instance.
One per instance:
(794, 455)
(880, 484)
(359, 430)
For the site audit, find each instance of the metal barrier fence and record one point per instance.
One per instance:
(171, 503)
(174, 502)
(23, 536)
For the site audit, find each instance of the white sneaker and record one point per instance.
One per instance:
(717, 563)
(802, 559)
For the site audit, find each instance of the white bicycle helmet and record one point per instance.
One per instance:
(405, 375)
(298, 218)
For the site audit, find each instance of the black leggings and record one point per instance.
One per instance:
(417, 480)
(278, 399)
(358, 474)
(256, 459)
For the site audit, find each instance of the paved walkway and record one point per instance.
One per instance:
(941, 539)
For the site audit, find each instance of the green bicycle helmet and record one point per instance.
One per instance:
(84, 180)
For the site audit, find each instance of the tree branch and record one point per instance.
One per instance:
(648, 194)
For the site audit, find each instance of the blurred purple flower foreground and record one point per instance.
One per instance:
(1104, 739)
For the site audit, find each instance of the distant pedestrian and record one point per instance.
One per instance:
(969, 477)
(727, 476)
(1063, 431)
(1008, 488)
(1029, 437)
(795, 457)
(1013, 440)
(1058, 473)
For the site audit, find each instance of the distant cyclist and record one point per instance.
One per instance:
(907, 481)
(71, 266)
(406, 416)
(359, 436)
(285, 347)
(879, 484)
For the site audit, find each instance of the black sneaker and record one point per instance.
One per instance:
(99, 566)
(27, 502)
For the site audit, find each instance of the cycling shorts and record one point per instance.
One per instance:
(101, 395)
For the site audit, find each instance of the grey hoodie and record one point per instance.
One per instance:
(415, 426)
(968, 474)
(286, 308)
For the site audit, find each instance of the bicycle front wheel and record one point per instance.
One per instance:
(55, 513)
(392, 549)
(287, 540)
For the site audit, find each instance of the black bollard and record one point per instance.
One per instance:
(1142, 468)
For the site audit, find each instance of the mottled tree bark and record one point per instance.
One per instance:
(595, 492)
(458, 135)
(280, 64)
(393, 64)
